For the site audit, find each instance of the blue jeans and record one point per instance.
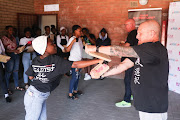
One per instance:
(35, 104)
(12, 66)
(27, 60)
(127, 82)
(74, 80)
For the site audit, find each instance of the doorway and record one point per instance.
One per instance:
(47, 20)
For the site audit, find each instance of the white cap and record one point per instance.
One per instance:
(62, 28)
(39, 44)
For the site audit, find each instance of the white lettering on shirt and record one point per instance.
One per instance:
(41, 70)
(137, 72)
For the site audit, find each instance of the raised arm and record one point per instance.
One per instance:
(126, 64)
(119, 51)
(82, 64)
(68, 48)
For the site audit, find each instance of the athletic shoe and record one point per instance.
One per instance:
(78, 93)
(131, 97)
(8, 99)
(123, 104)
(87, 77)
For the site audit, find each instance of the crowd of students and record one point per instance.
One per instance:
(66, 48)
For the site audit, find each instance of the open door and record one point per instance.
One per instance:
(47, 20)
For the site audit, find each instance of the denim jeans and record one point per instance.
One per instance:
(127, 82)
(74, 80)
(35, 104)
(2, 82)
(27, 60)
(12, 66)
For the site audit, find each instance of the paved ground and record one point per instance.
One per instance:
(97, 103)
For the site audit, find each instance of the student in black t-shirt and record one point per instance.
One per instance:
(131, 41)
(151, 69)
(45, 74)
(103, 39)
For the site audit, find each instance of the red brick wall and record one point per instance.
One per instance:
(9, 10)
(96, 14)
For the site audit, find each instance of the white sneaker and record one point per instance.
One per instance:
(87, 77)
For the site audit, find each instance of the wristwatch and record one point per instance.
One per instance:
(97, 48)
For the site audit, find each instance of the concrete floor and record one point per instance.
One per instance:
(97, 103)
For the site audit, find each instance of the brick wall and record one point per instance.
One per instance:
(9, 10)
(96, 14)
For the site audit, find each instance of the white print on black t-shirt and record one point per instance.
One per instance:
(138, 62)
(47, 68)
(137, 71)
(41, 70)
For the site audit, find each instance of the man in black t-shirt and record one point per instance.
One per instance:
(151, 69)
(131, 41)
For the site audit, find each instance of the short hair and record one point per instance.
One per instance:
(86, 30)
(37, 29)
(27, 29)
(75, 27)
(103, 30)
(46, 27)
(9, 26)
(92, 36)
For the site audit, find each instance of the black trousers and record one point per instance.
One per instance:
(2, 81)
(127, 82)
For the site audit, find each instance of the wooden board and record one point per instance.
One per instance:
(21, 49)
(4, 58)
(99, 70)
(100, 56)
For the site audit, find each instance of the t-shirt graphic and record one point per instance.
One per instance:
(42, 70)
(137, 71)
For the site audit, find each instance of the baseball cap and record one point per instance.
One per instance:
(39, 44)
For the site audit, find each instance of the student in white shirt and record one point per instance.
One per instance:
(28, 54)
(62, 41)
(75, 48)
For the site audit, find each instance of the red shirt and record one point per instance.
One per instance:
(8, 43)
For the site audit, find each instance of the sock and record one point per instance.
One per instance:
(6, 95)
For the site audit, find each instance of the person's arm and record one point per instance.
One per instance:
(126, 64)
(119, 51)
(82, 64)
(68, 48)
(15, 51)
(58, 41)
(92, 41)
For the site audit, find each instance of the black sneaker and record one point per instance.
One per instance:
(74, 97)
(8, 99)
(78, 93)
